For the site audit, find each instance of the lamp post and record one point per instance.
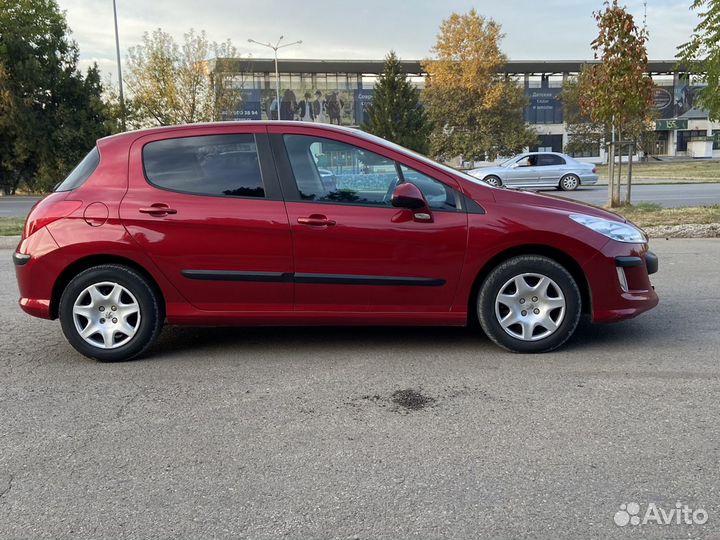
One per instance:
(119, 67)
(275, 49)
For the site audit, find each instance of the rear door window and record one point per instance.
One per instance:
(550, 159)
(81, 172)
(215, 165)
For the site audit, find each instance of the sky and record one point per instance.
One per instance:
(365, 29)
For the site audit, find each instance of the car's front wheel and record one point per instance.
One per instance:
(529, 304)
(493, 181)
(110, 313)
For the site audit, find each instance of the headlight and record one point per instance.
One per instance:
(615, 230)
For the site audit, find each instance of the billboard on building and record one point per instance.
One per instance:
(663, 105)
(333, 106)
(685, 96)
(545, 106)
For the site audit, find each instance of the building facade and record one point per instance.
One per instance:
(338, 91)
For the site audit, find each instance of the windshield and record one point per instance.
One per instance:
(507, 162)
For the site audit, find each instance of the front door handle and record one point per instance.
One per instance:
(158, 210)
(316, 220)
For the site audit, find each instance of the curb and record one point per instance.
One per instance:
(9, 242)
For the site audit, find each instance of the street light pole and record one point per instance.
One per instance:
(119, 67)
(275, 48)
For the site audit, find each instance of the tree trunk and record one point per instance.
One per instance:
(616, 185)
(629, 177)
(611, 172)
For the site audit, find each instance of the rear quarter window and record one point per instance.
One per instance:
(81, 172)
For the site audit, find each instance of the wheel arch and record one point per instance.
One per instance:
(84, 263)
(557, 255)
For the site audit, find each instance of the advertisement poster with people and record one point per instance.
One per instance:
(305, 104)
(685, 95)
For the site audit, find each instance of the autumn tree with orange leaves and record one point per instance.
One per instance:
(477, 111)
(618, 92)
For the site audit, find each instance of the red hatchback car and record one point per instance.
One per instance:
(287, 223)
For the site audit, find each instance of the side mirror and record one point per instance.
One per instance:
(407, 195)
(514, 165)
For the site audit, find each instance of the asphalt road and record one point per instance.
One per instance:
(16, 206)
(293, 433)
(668, 195)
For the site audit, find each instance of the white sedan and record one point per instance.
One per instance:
(539, 170)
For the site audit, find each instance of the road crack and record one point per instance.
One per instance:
(8, 488)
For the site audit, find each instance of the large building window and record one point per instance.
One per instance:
(548, 143)
(683, 136)
(592, 151)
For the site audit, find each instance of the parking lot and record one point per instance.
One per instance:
(367, 433)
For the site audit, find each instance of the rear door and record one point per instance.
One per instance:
(205, 205)
(551, 167)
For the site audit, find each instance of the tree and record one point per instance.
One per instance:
(701, 55)
(395, 113)
(477, 112)
(617, 93)
(173, 84)
(584, 135)
(50, 114)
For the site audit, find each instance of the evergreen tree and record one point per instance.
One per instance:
(50, 114)
(395, 113)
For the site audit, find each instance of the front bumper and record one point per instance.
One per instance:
(619, 279)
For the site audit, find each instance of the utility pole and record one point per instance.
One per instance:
(119, 67)
(275, 48)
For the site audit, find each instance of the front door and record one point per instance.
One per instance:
(355, 252)
(207, 209)
(524, 172)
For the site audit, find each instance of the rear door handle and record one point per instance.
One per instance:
(158, 210)
(316, 220)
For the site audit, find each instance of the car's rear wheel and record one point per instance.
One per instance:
(569, 182)
(110, 313)
(529, 304)
(493, 181)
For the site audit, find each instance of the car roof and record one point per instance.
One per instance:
(536, 153)
(204, 125)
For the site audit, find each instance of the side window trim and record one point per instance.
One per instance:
(268, 174)
(291, 193)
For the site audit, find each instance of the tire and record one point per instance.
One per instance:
(559, 306)
(569, 182)
(119, 304)
(493, 180)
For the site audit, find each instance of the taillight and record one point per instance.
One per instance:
(594, 170)
(47, 211)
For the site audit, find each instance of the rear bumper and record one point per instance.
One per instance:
(36, 272)
(620, 283)
(588, 179)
